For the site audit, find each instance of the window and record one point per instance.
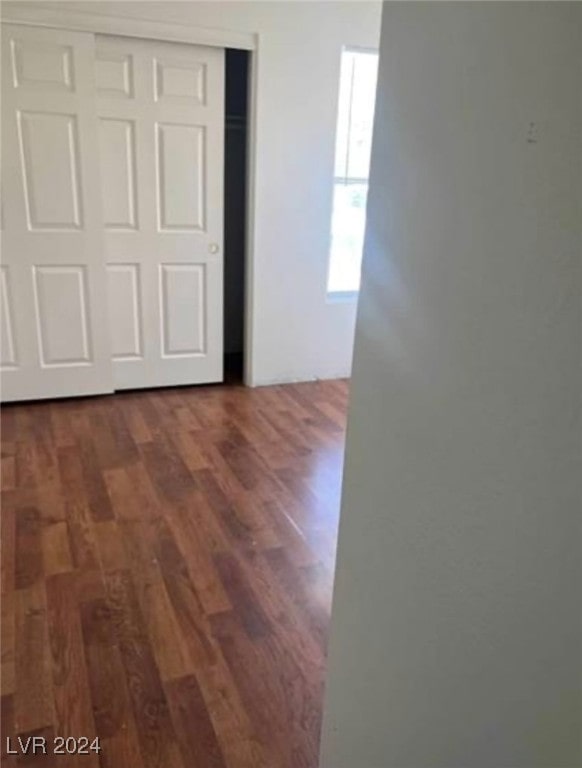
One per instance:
(357, 95)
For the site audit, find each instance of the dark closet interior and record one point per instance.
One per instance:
(235, 190)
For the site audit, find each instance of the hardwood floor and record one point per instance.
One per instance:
(167, 563)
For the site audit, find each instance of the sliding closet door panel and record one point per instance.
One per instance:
(161, 134)
(55, 334)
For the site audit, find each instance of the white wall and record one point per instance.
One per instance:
(298, 334)
(456, 634)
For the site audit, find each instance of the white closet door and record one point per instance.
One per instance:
(55, 336)
(161, 142)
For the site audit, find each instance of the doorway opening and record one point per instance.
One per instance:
(235, 206)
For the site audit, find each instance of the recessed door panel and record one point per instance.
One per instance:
(125, 311)
(118, 181)
(182, 301)
(61, 315)
(114, 75)
(180, 82)
(8, 348)
(50, 169)
(181, 189)
(44, 66)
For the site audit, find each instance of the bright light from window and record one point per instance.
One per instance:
(357, 94)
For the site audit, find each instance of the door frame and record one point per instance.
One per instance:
(41, 14)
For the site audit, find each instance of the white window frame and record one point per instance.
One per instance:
(333, 297)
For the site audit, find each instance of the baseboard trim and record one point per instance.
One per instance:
(260, 382)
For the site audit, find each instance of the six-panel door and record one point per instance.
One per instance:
(160, 113)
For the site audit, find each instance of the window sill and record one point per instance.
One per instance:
(342, 297)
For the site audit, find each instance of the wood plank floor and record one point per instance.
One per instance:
(167, 562)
